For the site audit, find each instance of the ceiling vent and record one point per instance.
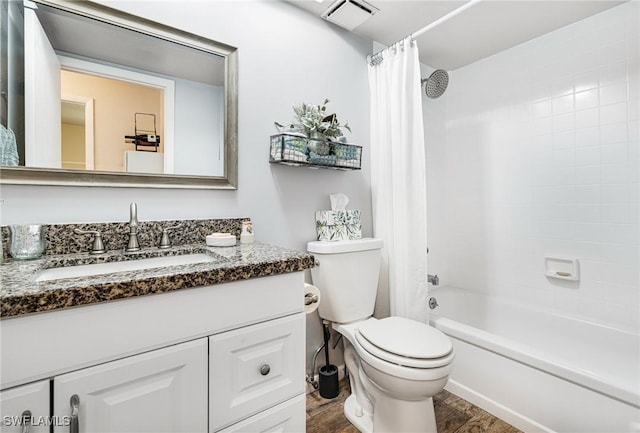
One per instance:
(349, 13)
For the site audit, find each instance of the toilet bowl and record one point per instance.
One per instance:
(400, 365)
(396, 365)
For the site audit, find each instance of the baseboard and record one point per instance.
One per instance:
(493, 407)
(310, 387)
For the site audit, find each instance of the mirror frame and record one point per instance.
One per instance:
(229, 179)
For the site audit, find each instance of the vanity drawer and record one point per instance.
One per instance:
(254, 368)
(287, 417)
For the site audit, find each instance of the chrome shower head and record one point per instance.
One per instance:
(436, 83)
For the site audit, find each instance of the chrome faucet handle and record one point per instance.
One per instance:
(133, 214)
(133, 244)
(164, 240)
(97, 247)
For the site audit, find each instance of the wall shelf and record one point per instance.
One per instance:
(298, 150)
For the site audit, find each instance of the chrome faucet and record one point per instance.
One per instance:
(133, 245)
(433, 279)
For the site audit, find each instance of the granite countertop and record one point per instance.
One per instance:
(20, 294)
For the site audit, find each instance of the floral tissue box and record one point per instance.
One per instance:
(338, 225)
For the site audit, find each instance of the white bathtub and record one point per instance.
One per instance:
(537, 370)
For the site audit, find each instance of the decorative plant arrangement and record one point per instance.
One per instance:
(314, 121)
(314, 137)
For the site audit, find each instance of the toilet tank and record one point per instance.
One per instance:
(346, 273)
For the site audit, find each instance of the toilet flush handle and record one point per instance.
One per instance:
(310, 298)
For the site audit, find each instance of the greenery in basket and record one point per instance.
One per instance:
(313, 119)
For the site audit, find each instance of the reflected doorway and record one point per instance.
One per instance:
(77, 137)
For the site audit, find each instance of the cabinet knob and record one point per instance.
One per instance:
(265, 369)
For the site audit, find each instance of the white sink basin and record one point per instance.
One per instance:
(129, 265)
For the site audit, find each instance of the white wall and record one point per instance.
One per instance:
(286, 56)
(541, 158)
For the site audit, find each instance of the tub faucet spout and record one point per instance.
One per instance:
(133, 244)
(433, 279)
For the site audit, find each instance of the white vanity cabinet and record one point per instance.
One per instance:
(27, 402)
(227, 357)
(164, 390)
(254, 368)
(287, 417)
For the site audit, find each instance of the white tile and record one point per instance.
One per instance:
(613, 133)
(586, 175)
(613, 113)
(585, 194)
(634, 109)
(616, 233)
(634, 192)
(542, 125)
(542, 182)
(584, 60)
(564, 157)
(615, 193)
(614, 93)
(542, 108)
(613, 33)
(612, 73)
(563, 140)
(586, 118)
(574, 213)
(586, 80)
(634, 131)
(619, 274)
(615, 173)
(586, 99)
(612, 53)
(563, 122)
(615, 153)
(587, 136)
(542, 143)
(542, 89)
(563, 104)
(634, 85)
(563, 175)
(587, 155)
(564, 84)
(561, 194)
(619, 213)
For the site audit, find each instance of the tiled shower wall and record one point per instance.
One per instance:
(541, 159)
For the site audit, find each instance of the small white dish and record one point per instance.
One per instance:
(221, 240)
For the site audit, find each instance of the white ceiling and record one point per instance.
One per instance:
(480, 31)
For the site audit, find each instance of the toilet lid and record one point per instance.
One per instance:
(406, 338)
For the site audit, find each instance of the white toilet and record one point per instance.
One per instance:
(395, 365)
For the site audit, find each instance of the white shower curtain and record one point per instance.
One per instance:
(398, 178)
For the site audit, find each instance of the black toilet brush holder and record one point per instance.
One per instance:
(328, 381)
(328, 373)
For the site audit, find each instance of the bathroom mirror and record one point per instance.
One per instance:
(134, 103)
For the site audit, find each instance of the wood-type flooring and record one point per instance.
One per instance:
(453, 415)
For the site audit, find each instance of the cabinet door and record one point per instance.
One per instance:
(287, 417)
(254, 368)
(14, 402)
(164, 390)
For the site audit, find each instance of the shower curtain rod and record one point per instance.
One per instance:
(376, 58)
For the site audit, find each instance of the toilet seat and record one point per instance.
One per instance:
(405, 342)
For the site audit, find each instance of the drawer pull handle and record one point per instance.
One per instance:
(26, 421)
(74, 425)
(265, 369)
